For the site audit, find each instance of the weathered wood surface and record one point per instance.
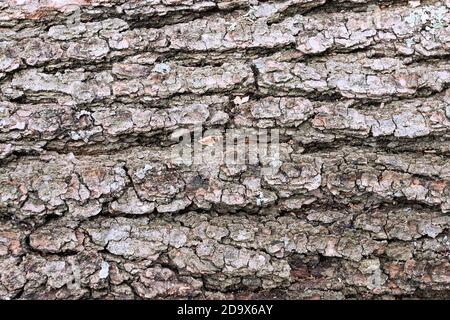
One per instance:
(92, 206)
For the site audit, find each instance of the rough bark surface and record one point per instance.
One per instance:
(91, 205)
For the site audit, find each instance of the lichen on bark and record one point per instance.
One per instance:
(92, 204)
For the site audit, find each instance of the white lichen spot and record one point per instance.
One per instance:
(142, 172)
(262, 199)
(74, 135)
(161, 68)
(104, 271)
(410, 42)
(426, 14)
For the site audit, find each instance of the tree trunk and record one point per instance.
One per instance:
(350, 198)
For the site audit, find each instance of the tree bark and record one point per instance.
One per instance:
(93, 204)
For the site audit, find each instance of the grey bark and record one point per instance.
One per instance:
(93, 206)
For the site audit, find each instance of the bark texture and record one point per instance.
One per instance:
(92, 205)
